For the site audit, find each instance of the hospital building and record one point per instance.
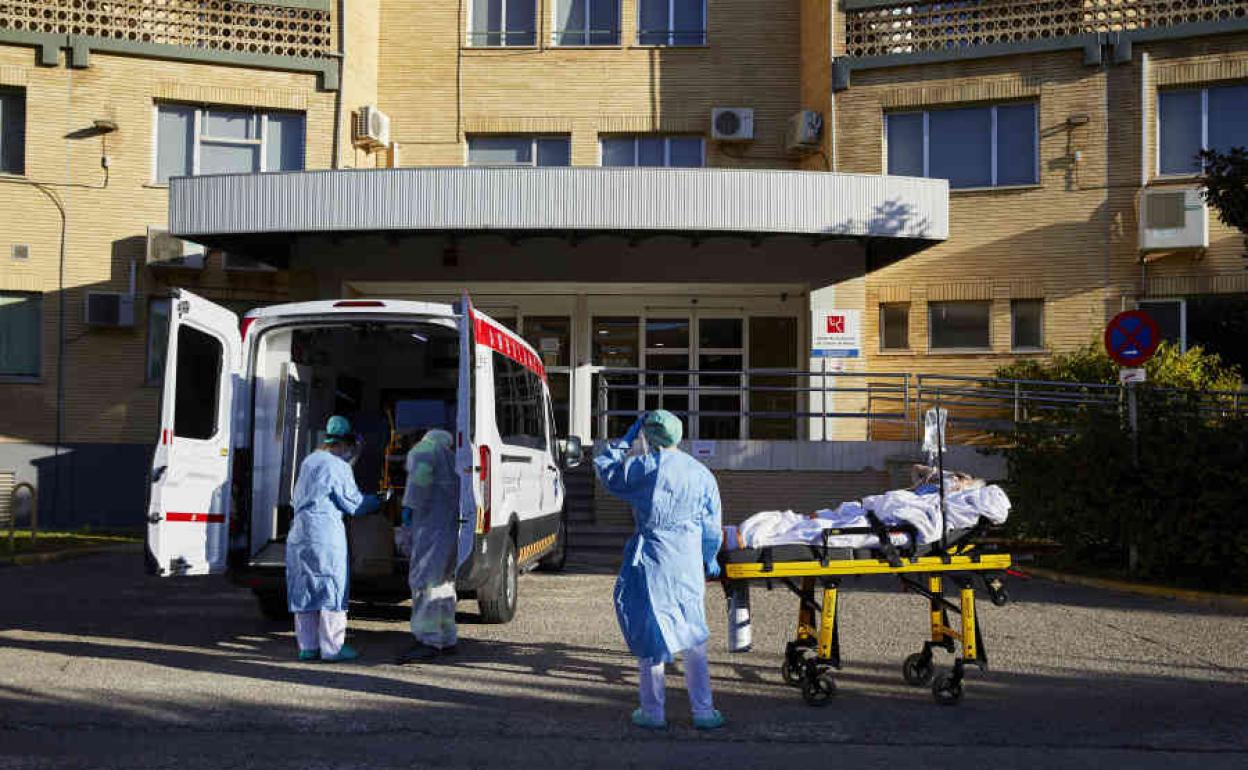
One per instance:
(770, 216)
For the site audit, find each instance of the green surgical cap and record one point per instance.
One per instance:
(337, 429)
(662, 428)
(439, 437)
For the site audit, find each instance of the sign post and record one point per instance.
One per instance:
(834, 337)
(1131, 339)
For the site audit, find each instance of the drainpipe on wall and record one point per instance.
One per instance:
(1144, 165)
(336, 161)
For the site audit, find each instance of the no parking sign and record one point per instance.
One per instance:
(1132, 337)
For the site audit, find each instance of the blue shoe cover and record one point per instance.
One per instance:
(642, 720)
(346, 654)
(711, 721)
(307, 655)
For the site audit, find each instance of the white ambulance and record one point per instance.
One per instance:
(243, 405)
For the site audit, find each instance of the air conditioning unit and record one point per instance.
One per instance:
(732, 124)
(805, 131)
(110, 308)
(164, 250)
(1173, 219)
(240, 263)
(372, 128)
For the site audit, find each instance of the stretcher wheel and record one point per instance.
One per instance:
(947, 690)
(918, 669)
(818, 687)
(1001, 597)
(792, 671)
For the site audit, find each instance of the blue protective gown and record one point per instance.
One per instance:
(317, 568)
(432, 496)
(660, 593)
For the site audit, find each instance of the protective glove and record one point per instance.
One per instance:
(712, 569)
(635, 430)
(370, 504)
(406, 516)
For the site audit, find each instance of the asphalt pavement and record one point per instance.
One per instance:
(103, 666)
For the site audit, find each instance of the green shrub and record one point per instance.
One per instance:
(1174, 495)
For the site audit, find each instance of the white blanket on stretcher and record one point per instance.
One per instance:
(963, 510)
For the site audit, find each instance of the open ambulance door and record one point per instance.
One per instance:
(465, 457)
(188, 510)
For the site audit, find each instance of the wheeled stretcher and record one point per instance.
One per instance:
(815, 572)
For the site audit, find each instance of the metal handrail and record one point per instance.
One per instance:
(899, 397)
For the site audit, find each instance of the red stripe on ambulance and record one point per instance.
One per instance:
(196, 518)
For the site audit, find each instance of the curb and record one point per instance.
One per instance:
(1207, 598)
(51, 557)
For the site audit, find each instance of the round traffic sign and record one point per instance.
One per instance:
(1132, 337)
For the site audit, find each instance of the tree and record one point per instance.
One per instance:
(1225, 187)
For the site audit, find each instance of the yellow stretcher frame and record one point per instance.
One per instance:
(821, 635)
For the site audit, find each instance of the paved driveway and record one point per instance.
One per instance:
(101, 666)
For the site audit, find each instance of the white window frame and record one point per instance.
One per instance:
(198, 138)
(15, 92)
(502, 32)
(672, 33)
(931, 307)
(926, 113)
(1182, 303)
(1014, 346)
(39, 351)
(667, 148)
(1204, 128)
(533, 140)
(556, 30)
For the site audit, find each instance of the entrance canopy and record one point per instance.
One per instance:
(241, 212)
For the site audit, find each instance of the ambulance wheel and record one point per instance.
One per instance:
(273, 605)
(498, 599)
(946, 690)
(819, 687)
(918, 670)
(558, 556)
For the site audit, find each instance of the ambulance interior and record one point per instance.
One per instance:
(393, 381)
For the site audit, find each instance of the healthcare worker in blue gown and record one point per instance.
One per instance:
(660, 593)
(317, 567)
(431, 516)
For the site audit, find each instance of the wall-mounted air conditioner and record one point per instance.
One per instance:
(110, 308)
(732, 124)
(1172, 219)
(805, 132)
(164, 250)
(371, 128)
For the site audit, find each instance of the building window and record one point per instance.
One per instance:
(519, 151)
(215, 140)
(1171, 318)
(654, 151)
(970, 146)
(21, 333)
(519, 405)
(587, 22)
(496, 23)
(12, 131)
(895, 326)
(959, 325)
(1027, 324)
(671, 22)
(1196, 119)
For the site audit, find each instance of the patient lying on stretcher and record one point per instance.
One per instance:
(967, 500)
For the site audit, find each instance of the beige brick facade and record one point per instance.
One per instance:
(1070, 239)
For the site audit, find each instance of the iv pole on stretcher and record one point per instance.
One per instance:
(812, 656)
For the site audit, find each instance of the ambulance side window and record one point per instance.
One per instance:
(519, 406)
(198, 384)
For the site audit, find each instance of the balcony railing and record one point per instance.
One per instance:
(206, 25)
(876, 29)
